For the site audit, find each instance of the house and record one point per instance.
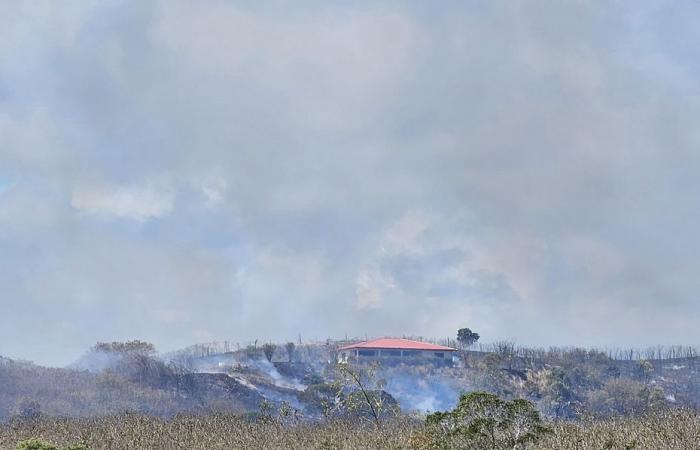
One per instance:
(396, 350)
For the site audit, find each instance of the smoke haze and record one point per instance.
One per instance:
(182, 172)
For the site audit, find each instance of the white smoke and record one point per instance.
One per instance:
(422, 393)
(277, 378)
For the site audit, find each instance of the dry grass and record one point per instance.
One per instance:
(668, 430)
(208, 432)
(673, 430)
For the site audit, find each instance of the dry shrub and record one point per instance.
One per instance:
(670, 429)
(216, 431)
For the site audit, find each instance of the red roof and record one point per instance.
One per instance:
(399, 344)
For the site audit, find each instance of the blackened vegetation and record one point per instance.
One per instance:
(562, 383)
(122, 377)
(28, 390)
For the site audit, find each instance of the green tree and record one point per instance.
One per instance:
(467, 337)
(485, 421)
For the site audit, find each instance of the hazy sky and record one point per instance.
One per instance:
(181, 172)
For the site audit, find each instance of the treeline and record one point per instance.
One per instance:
(308, 352)
(655, 353)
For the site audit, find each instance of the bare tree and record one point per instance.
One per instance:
(362, 379)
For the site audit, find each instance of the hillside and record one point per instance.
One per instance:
(565, 383)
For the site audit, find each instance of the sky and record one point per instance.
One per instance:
(190, 171)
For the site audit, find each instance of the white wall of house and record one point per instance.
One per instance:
(367, 353)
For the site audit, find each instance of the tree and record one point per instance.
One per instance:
(467, 337)
(269, 351)
(322, 397)
(485, 421)
(643, 370)
(289, 346)
(553, 388)
(367, 397)
(252, 352)
(624, 397)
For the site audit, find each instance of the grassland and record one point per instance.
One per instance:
(671, 429)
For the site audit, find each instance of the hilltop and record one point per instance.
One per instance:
(206, 378)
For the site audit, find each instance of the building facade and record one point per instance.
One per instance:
(397, 351)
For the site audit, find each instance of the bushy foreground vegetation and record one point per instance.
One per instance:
(672, 429)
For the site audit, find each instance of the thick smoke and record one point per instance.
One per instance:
(347, 167)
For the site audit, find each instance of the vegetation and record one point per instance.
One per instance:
(485, 421)
(466, 337)
(147, 385)
(125, 395)
(671, 430)
(562, 383)
(366, 397)
(269, 351)
(129, 347)
(290, 347)
(38, 444)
